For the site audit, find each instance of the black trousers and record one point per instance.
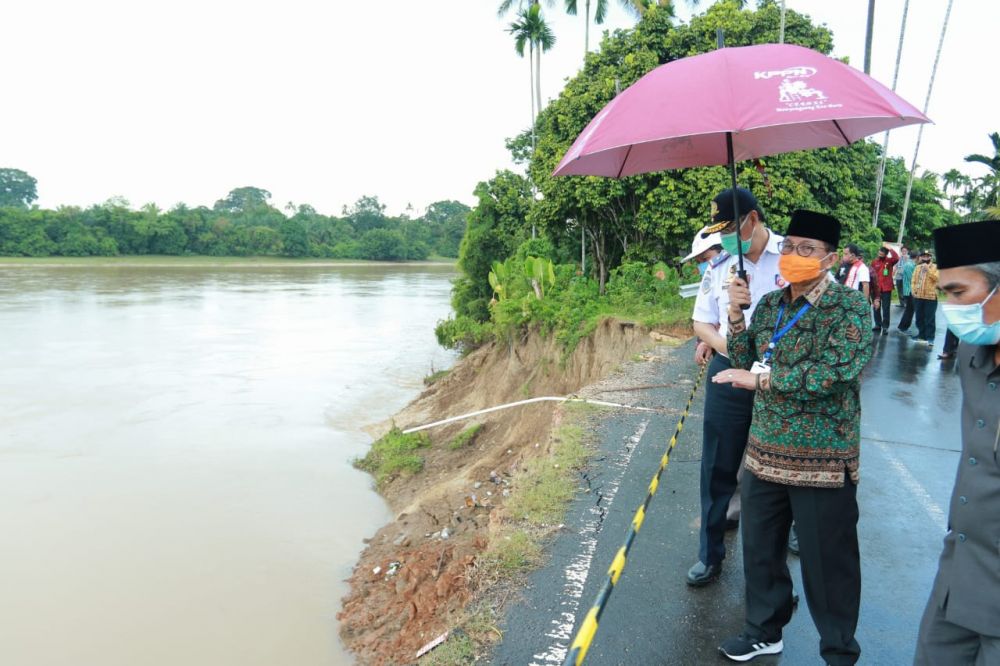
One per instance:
(899, 291)
(950, 342)
(826, 520)
(907, 318)
(925, 311)
(728, 412)
(880, 307)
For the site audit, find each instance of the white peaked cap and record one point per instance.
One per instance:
(699, 244)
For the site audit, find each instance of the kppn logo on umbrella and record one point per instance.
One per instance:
(794, 93)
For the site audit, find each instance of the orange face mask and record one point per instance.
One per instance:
(796, 269)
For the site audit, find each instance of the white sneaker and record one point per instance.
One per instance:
(745, 648)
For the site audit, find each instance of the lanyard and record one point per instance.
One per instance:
(787, 327)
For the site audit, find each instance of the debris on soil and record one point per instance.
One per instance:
(457, 501)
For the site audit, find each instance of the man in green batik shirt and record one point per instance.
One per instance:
(803, 353)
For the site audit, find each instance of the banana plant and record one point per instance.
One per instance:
(499, 280)
(540, 272)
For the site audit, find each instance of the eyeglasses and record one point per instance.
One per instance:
(802, 249)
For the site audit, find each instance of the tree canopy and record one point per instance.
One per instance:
(243, 223)
(17, 188)
(653, 217)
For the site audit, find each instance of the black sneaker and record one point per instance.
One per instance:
(745, 648)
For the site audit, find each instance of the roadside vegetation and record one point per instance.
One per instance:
(539, 499)
(394, 454)
(610, 247)
(465, 438)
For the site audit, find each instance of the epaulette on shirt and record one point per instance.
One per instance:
(719, 259)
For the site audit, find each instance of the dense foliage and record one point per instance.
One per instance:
(244, 223)
(628, 225)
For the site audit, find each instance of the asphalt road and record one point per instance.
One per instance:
(910, 444)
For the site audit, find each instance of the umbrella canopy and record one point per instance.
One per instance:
(772, 98)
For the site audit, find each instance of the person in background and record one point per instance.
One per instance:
(802, 355)
(950, 346)
(843, 267)
(961, 624)
(881, 275)
(897, 274)
(906, 272)
(924, 290)
(858, 276)
(706, 249)
(727, 410)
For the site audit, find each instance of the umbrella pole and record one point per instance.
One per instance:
(720, 41)
(736, 207)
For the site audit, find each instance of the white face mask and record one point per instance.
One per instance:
(966, 321)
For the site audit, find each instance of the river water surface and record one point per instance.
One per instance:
(175, 446)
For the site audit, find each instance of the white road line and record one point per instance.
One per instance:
(575, 574)
(924, 499)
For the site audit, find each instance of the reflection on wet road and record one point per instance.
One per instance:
(910, 444)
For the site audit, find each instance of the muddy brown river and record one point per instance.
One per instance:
(175, 447)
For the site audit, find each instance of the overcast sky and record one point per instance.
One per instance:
(323, 102)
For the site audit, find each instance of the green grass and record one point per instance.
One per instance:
(435, 376)
(512, 553)
(458, 650)
(394, 454)
(549, 483)
(465, 437)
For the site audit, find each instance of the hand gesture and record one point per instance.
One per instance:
(743, 379)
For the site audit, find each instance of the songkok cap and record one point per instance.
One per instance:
(722, 208)
(818, 226)
(968, 244)
(702, 242)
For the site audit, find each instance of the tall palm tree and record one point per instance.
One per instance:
(635, 7)
(506, 5)
(951, 180)
(990, 183)
(993, 161)
(868, 36)
(530, 29)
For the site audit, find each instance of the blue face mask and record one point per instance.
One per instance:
(966, 321)
(702, 267)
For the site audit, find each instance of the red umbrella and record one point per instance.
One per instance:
(734, 104)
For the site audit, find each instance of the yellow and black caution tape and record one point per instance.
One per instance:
(585, 634)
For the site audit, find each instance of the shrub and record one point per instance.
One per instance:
(394, 454)
(465, 437)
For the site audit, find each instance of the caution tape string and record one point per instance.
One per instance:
(585, 634)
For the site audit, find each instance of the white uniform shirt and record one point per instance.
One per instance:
(856, 274)
(712, 304)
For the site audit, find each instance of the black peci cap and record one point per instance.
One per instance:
(818, 226)
(722, 208)
(967, 244)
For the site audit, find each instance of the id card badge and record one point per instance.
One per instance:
(759, 367)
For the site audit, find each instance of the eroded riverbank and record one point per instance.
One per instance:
(420, 572)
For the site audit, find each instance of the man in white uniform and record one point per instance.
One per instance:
(727, 410)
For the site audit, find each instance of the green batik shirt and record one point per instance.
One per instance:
(806, 428)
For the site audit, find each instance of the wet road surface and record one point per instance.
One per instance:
(910, 445)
